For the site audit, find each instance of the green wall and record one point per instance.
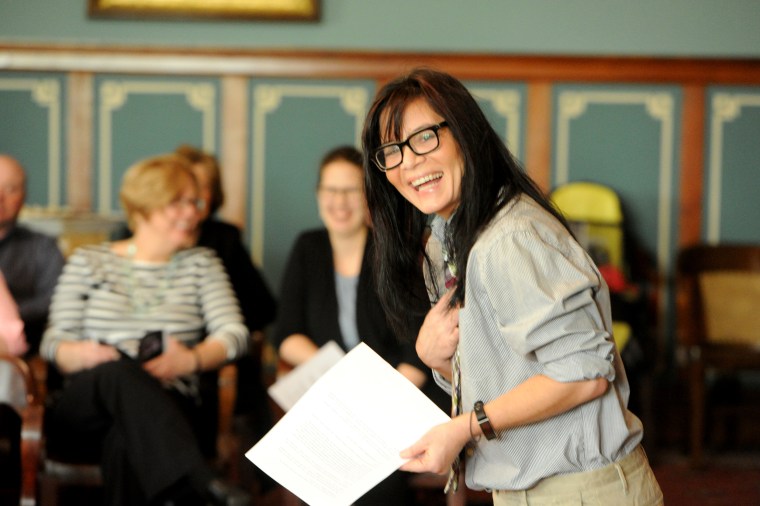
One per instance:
(727, 28)
(626, 135)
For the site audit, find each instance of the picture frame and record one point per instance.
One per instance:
(282, 10)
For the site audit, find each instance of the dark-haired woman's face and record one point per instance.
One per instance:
(432, 182)
(340, 198)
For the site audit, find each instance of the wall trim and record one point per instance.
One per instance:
(374, 65)
(45, 93)
(726, 107)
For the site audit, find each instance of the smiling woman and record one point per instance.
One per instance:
(305, 10)
(328, 292)
(519, 332)
(109, 299)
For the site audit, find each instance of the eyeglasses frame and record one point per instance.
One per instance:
(401, 145)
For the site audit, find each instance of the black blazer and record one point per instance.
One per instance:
(256, 301)
(308, 303)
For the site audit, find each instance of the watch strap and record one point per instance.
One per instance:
(484, 421)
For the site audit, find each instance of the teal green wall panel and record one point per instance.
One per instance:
(140, 117)
(580, 27)
(627, 138)
(293, 125)
(32, 108)
(732, 178)
(504, 104)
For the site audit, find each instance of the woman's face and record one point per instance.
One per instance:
(340, 198)
(176, 223)
(432, 182)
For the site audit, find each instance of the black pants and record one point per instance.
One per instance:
(145, 441)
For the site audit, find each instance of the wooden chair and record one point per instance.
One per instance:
(63, 472)
(719, 321)
(19, 390)
(55, 473)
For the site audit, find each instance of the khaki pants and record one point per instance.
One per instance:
(629, 481)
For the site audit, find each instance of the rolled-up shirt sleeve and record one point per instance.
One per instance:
(543, 295)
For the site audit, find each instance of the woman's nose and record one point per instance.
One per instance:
(410, 158)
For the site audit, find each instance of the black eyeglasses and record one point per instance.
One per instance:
(389, 156)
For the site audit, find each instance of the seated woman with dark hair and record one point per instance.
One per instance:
(329, 293)
(139, 412)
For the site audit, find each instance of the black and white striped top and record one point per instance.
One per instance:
(536, 304)
(105, 297)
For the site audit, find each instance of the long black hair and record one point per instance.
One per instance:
(492, 178)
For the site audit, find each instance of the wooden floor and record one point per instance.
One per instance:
(729, 480)
(730, 477)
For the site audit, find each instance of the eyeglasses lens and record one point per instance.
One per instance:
(421, 143)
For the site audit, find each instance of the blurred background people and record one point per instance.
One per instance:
(12, 342)
(252, 416)
(140, 415)
(328, 291)
(256, 301)
(30, 261)
(12, 337)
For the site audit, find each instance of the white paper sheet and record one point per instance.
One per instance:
(289, 388)
(345, 434)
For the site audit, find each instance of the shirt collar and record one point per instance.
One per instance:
(439, 227)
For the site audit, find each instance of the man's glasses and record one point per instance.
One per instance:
(389, 156)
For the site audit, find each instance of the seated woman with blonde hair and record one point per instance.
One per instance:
(138, 411)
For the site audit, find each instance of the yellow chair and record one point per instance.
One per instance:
(595, 213)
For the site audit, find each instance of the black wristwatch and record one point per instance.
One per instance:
(483, 421)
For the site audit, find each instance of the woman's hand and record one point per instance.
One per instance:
(176, 360)
(75, 356)
(439, 336)
(436, 450)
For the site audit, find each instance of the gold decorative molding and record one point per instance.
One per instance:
(305, 10)
(266, 99)
(113, 96)
(47, 94)
(726, 107)
(659, 105)
(507, 104)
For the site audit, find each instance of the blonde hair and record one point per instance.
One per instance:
(154, 183)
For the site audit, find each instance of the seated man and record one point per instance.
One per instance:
(30, 261)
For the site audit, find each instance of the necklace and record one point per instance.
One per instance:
(143, 298)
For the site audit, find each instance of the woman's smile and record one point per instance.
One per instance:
(431, 182)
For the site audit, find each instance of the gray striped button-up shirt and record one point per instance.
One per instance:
(536, 304)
